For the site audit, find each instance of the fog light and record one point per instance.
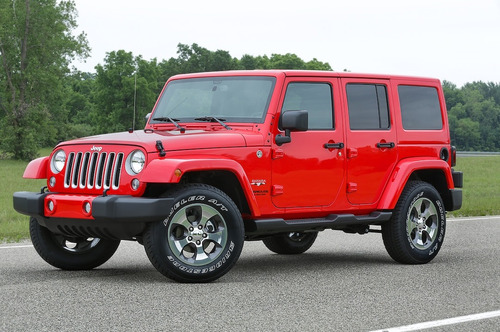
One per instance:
(50, 206)
(86, 207)
(135, 184)
(52, 181)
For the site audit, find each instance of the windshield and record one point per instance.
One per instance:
(233, 99)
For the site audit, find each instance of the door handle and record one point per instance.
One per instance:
(333, 145)
(389, 145)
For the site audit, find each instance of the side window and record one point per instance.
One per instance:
(420, 109)
(316, 98)
(368, 108)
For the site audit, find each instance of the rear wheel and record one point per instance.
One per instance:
(200, 240)
(290, 243)
(415, 233)
(70, 253)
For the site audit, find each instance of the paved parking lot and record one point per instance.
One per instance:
(343, 283)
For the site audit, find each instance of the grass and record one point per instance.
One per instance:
(481, 192)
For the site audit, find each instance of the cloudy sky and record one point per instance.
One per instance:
(454, 40)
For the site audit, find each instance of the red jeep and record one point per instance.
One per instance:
(275, 156)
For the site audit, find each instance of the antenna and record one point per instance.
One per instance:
(135, 97)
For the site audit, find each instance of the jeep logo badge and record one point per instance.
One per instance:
(96, 148)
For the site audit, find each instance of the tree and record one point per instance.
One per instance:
(122, 83)
(36, 47)
(474, 115)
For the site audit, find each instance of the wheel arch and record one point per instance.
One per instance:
(435, 172)
(224, 174)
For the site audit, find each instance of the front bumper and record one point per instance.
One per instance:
(115, 217)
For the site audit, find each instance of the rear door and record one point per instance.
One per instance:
(370, 138)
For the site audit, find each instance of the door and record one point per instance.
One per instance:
(370, 140)
(309, 171)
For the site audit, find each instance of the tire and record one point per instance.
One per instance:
(290, 243)
(200, 240)
(69, 253)
(415, 233)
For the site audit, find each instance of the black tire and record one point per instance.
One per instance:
(200, 240)
(290, 243)
(70, 253)
(415, 233)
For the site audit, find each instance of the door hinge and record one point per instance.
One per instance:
(277, 190)
(352, 187)
(352, 153)
(277, 154)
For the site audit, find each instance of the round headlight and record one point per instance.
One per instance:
(136, 161)
(58, 161)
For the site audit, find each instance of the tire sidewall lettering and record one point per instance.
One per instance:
(181, 203)
(217, 265)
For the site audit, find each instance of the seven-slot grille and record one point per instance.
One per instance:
(93, 170)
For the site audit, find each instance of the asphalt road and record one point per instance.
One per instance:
(343, 283)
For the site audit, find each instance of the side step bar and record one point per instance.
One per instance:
(255, 227)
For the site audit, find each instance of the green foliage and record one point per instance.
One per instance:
(36, 47)
(474, 115)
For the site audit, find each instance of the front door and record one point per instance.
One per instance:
(371, 138)
(309, 171)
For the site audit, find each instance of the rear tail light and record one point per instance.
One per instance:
(453, 156)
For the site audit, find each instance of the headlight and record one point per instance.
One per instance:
(136, 161)
(58, 161)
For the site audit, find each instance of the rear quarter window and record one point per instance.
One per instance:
(420, 108)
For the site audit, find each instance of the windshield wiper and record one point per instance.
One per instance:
(174, 121)
(214, 119)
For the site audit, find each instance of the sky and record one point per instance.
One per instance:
(453, 40)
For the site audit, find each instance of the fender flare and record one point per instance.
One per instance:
(401, 175)
(164, 171)
(37, 169)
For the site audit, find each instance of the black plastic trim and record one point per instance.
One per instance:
(129, 209)
(29, 203)
(456, 200)
(334, 221)
(115, 217)
(458, 178)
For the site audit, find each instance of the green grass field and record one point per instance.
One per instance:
(481, 192)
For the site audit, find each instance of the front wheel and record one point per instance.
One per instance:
(201, 238)
(290, 243)
(70, 253)
(415, 233)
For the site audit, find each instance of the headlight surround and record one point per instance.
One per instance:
(135, 162)
(58, 161)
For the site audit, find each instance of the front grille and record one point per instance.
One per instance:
(93, 170)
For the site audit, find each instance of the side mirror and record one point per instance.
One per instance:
(292, 121)
(147, 116)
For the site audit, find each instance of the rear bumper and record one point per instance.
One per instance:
(456, 194)
(117, 217)
(456, 200)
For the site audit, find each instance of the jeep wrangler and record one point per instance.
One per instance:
(231, 156)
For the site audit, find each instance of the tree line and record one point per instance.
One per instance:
(43, 101)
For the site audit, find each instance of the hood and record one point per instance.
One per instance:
(174, 140)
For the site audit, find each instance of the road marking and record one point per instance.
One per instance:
(473, 218)
(443, 322)
(15, 247)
